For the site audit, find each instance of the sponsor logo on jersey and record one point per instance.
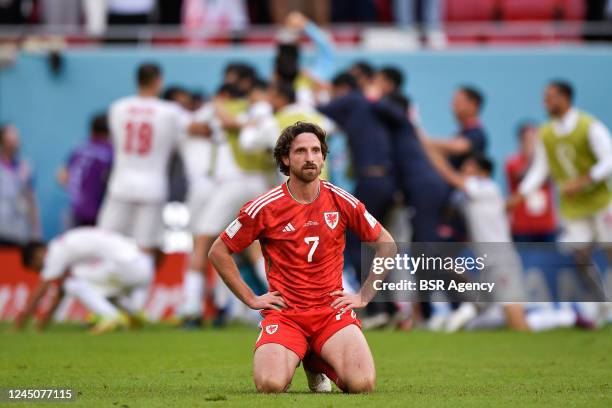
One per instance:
(371, 220)
(288, 228)
(233, 228)
(271, 328)
(331, 219)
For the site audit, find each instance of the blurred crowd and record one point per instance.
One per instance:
(446, 182)
(96, 16)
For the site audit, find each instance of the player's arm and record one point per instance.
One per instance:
(228, 120)
(601, 146)
(455, 146)
(385, 247)
(259, 135)
(187, 125)
(31, 305)
(336, 109)
(221, 257)
(535, 177)
(442, 166)
(389, 112)
(48, 314)
(199, 129)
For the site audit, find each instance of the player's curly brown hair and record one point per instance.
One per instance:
(283, 144)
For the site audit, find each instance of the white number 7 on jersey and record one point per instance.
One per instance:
(315, 241)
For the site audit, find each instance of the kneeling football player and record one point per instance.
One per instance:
(301, 226)
(94, 266)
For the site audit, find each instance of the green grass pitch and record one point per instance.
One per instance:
(161, 366)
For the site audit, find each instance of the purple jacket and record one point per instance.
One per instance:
(88, 169)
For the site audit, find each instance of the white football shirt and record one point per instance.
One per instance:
(485, 211)
(87, 245)
(144, 131)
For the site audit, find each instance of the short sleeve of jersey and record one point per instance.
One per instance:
(243, 230)
(362, 223)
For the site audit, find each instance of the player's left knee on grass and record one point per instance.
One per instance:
(273, 368)
(360, 382)
(348, 353)
(272, 384)
(272, 381)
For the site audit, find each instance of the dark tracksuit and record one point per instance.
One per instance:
(370, 148)
(423, 188)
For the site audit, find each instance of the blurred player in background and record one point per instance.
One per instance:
(85, 176)
(145, 130)
(534, 219)
(485, 212)
(575, 149)
(237, 175)
(471, 137)
(94, 266)
(371, 158)
(198, 160)
(19, 215)
(301, 225)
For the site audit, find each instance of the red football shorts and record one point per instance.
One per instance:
(300, 331)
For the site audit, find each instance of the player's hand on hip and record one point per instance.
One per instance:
(270, 300)
(346, 301)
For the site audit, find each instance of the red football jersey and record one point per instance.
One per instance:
(303, 244)
(535, 214)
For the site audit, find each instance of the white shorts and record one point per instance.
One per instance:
(199, 195)
(140, 221)
(581, 232)
(211, 215)
(112, 278)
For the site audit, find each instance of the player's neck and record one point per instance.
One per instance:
(563, 113)
(147, 93)
(470, 121)
(303, 193)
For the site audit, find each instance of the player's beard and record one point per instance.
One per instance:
(307, 173)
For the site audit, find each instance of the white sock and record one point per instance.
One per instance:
(193, 292)
(134, 302)
(91, 298)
